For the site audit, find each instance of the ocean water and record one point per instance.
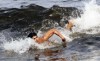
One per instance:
(47, 4)
(83, 46)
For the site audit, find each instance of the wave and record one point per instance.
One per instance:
(88, 20)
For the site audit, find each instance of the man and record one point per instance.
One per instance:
(70, 24)
(46, 36)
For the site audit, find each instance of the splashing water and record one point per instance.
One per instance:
(23, 45)
(90, 19)
(19, 46)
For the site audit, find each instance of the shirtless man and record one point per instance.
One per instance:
(47, 35)
(70, 24)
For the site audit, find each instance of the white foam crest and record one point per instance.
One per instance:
(23, 45)
(90, 18)
(19, 46)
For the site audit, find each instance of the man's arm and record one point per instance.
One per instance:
(51, 32)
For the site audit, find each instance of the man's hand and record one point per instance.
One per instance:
(64, 43)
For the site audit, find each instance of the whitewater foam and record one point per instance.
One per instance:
(23, 45)
(20, 46)
(90, 19)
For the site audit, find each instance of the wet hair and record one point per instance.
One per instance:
(32, 34)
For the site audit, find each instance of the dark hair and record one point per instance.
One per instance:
(32, 34)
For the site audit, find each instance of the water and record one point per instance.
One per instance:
(84, 46)
(47, 4)
(21, 45)
(92, 13)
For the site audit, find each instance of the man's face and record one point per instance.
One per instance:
(69, 25)
(34, 37)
